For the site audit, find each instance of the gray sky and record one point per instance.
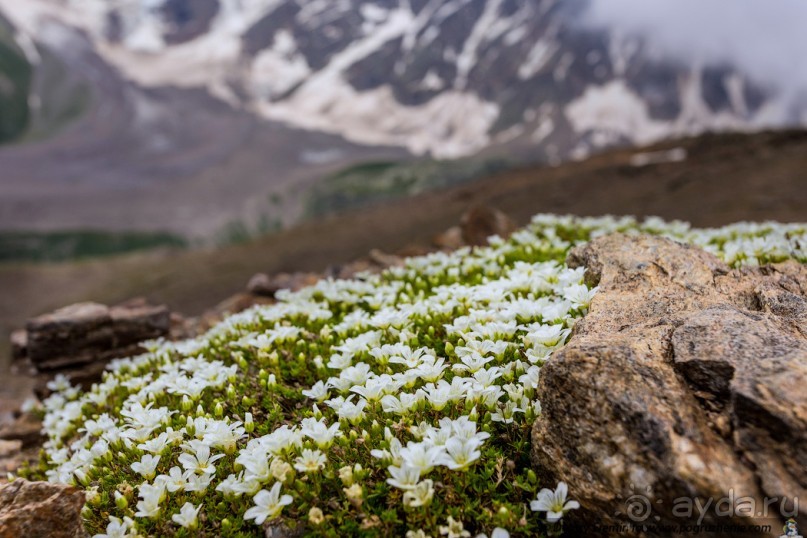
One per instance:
(767, 39)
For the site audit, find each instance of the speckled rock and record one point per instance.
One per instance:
(40, 509)
(686, 379)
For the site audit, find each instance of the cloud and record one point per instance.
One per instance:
(765, 39)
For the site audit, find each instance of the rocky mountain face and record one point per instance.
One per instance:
(447, 78)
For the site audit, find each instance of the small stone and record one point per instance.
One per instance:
(451, 239)
(9, 448)
(384, 260)
(266, 286)
(479, 223)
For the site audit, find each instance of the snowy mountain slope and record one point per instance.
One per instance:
(445, 77)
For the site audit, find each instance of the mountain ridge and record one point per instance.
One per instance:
(446, 78)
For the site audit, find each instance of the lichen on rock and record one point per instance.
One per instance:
(685, 380)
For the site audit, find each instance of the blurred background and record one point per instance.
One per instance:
(171, 149)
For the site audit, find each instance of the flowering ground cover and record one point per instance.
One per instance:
(394, 405)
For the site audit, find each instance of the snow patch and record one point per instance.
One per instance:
(480, 33)
(615, 112)
(432, 82)
(673, 155)
(453, 124)
(537, 58)
(614, 108)
(278, 69)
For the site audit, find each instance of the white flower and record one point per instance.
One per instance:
(197, 482)
(547, 335)
(151, 497)
(223, 435)
(404, 477)
(498, 532)
(175, 480)
(146, 466)
(227, 486)
(319, 432)
(268, 505)
(350, 411)
(155, 445)
(421, 456)
(420, 495)
(280, 470)
(59, 383)
(187, 516)
(310, 461)
(472, 362)
(118, 528)
(200, 461)
(554, 503)
(460, 454)
(506, 413)
(454, 529)
(318, 392)
(579, 295)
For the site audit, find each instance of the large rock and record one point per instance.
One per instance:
(40, 509)
(686, 380)
(87, 332)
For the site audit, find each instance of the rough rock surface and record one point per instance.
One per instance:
(40, 509)
(685, 379)
(79, 340)
(86, 332)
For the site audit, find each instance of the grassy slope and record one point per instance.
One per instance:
(374, 182)
(70, 245)
(725, 179)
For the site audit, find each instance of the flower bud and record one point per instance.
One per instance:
(315, 516)
(120, 501)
